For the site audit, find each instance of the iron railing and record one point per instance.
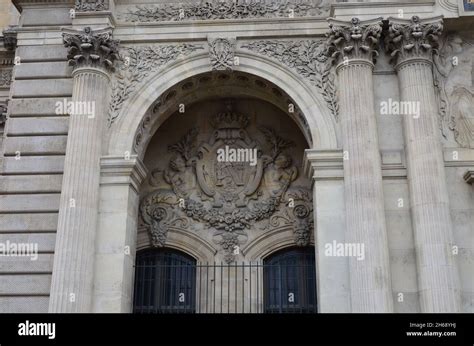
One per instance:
(225, 288)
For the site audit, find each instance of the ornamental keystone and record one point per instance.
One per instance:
(91, 48)
(354, 40)
(413, 38)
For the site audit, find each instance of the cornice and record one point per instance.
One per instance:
(20, 4)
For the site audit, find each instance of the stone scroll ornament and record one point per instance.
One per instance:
(225, 196)
(91, 5)
(226, 9)
(91, 48)
(136, 64)
(309, 58)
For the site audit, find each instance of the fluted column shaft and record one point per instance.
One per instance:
(370, 280)
(365, 215)
(73, 269)
(412, 43)
(71, 288)
(438, 277)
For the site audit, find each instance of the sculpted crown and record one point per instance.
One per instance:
(413, 38)
(354, 40)
(229, 119)
(91, 48)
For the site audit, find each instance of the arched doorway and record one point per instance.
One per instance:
(297, 229)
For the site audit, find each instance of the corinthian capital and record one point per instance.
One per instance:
(413, 38)
(91, 48)
(354, 40)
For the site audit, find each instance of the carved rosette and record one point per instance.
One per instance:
(91, 48)
(221, 53)
(413, 38)
(354, 40)
(91, 5)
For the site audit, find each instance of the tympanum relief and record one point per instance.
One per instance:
(234, 184)
(454, 81)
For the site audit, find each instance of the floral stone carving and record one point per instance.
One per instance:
(309, 58)
(229, 197)
(226, 9)
(136, 63)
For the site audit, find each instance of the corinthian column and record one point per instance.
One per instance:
(412, 43)
(353, 45)
(92, 54)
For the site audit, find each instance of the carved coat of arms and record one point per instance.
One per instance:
(228, 184)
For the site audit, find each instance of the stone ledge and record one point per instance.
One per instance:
(469, 177)
(118, 170)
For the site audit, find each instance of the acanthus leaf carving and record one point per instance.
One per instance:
(136, 64)
(91, 48)
(413, 38)
(226, 9)
(354, 40)
(91, 5)
(228, 197)
(309, 58)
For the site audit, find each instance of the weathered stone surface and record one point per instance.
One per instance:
(33, 165)
(38, 126)
(22, 222)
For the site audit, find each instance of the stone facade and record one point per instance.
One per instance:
(360, 115)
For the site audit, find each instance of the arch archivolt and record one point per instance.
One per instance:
(312, 113)
(270, 242)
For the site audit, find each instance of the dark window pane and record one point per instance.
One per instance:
(290, 281)
(165, 281)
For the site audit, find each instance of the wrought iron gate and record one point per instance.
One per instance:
(181, 286)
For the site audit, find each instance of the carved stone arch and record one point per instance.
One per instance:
(211, 85)
(270, 242)
(186, 242)
(123, 132)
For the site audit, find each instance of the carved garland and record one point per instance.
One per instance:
(309, 58)
(226, 9)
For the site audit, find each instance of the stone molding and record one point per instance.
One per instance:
(413, 38)
(121, 170)
(469, 177)
(9, 38)
(323, 164)
(354, 40)
(226, 9)
(91, 48)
